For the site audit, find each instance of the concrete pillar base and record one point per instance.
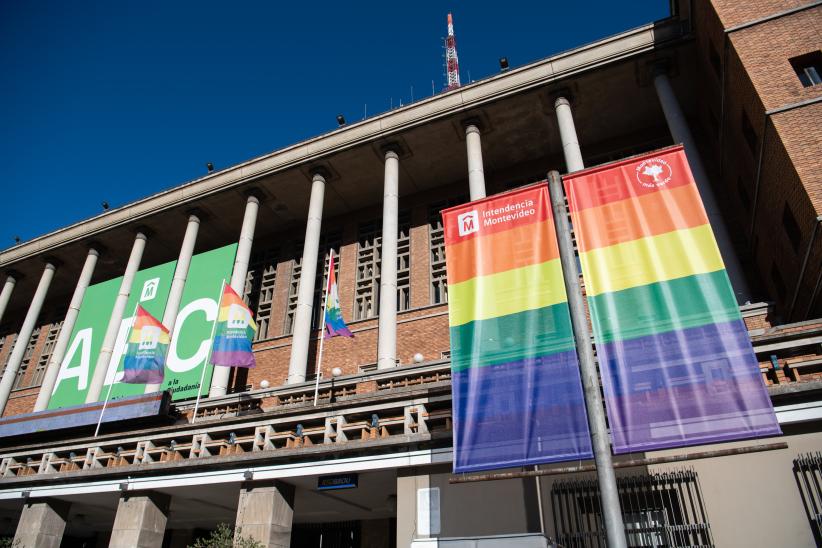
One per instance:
(42, 524)
(265, 512)
(140, 521)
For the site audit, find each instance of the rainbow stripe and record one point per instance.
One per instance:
(675, 357)
(516, 389)
(145, 357)
(234, 332)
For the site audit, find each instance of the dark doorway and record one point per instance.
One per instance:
(340, 534)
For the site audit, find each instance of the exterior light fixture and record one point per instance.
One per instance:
(210, 167)
(248, 475)
(340, 120)
(336, 372)
(503, 64)
(105, 206)
(418, 357)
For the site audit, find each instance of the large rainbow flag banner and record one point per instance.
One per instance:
(234, 332)
(517, 394)
(145, 357)
(674, 354)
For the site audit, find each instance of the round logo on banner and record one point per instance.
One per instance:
(653, 172)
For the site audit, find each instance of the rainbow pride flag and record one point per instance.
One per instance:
(234, 332)
(675, 357)
(334, 323)
(145, 356)
(517, 394)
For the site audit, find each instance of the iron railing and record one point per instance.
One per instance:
(807, 470)
(658, 510)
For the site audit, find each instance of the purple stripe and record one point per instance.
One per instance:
(233, 359)
(685, 387)
(518, 413)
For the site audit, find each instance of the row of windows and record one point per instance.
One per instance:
(20, 380)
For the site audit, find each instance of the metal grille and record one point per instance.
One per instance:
(45, 354)
(259, 288)
(369, 256)
(658, 510)
(328, 241)
(24, 365)
(808, 472)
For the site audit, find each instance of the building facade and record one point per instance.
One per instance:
(736, 82)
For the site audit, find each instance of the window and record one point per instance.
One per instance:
(328, 241)
(716, 63)
(791, 227)
(749, 133)
(808, 68)
(436, 248)
(369, 256)
(24, 365)
(8, 354)
(743, 193)
(778, 282)
(657, 510)
(259, 288)
(45, 354)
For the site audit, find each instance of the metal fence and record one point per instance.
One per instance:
(658, 510)
(807, 469)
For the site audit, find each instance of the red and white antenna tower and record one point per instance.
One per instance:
(452, 64)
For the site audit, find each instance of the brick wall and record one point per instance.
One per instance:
(758, 77)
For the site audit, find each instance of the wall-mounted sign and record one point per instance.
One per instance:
(337, 481)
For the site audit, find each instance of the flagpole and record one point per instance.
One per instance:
(322, 334)
(210, 348)
(108, 394)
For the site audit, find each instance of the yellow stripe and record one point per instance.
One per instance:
(647, 260)
(504, 293)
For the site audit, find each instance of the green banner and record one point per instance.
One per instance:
(189, 343)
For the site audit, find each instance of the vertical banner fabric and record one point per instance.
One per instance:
(675, 357)
(517, 394)
(190, 341)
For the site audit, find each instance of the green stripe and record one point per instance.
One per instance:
(663, 306)
(513, 337)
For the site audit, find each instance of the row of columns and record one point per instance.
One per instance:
(387, 338)
(265, 513)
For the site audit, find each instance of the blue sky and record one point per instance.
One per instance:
(117, 100)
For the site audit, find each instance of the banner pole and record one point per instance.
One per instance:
(611, 510)
(210, 348)
(322, 335)
(108, 394)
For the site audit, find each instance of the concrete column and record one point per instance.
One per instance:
(41, 524)
(5, 294)
(101, 368)
(63, 339)
(265, 512)
(178, 283)
(681, 133)
(305, 293)
(476, 174)
(19, 350)
(568, 135)
(219, 378)
(387, 341)
(140, 521)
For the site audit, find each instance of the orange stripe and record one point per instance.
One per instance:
(640, 217)
(501, 251)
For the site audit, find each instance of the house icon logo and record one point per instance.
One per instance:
(149, 337)
(653, 173)
(237, 317)
(468, 223)
(149, 289)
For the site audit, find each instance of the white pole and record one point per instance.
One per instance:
(322, 334)
(210, 348)
(113, 381)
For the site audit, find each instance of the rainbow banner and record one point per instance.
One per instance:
(145, 356)
(234, 332)
(517, 394)
(674, 354)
